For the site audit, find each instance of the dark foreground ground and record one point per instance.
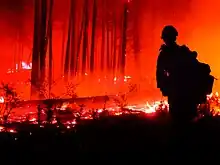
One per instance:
(115, 140)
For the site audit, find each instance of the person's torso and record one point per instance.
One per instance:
(179, 67)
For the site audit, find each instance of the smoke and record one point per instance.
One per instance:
(197, 21)
(205, 33)
(15, 16)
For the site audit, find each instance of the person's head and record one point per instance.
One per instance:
(169, 34)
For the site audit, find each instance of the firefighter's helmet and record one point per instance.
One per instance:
(169, 31)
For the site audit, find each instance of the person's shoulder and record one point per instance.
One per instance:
(162, 47)
(162, 52)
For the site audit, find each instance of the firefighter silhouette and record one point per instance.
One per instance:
(181, 77)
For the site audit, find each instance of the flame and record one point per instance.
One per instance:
(64, 106)
(33, 119)
(2, 100)
(213, 100)
(149, 107)
(2, 128)
(12, 131)
(26, 66)
(214, 103)
(100, 111)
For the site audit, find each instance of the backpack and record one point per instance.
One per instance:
(201, 82)
(205, 82)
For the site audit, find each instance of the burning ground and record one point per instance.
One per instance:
(67, 114)
(108, 128)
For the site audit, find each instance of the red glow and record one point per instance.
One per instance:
(194, 19)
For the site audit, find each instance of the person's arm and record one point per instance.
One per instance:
(159, 71)
(161, 75)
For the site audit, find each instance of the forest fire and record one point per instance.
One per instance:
(87, 113)
(66, 117)
(79, 76)
(108, 49)
(112, 50)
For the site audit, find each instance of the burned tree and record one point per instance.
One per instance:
(68, 47)
(40, 44)
(103, 36)
(92, 56)
(50, 34)
(70, 57)
(43, 40)
(36, 46)
(73, 53)
(124, 40)
(85, 36)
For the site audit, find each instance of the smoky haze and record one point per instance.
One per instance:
(198, 23)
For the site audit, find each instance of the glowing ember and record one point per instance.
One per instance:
(213, 102)
(33, 119)
(2, 100)
(26, 66)
(100, 111)
(64, 106)
(12, 131)
(150, 108)
(2, 128)
(54, 122)
(74, 122)
(70, 119)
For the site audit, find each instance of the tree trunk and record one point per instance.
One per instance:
(92, 56)
(67, 57)
(114, 44)
(85, 38)
(107, 38)
(36, 52)
(103, 37)
(50, 26)
(63, 47)
(72, 51)
(43, 41)
(124, 42)
(79, 44)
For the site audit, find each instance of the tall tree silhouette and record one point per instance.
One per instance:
(72, 51)
(85, 36)
(103, 35)
(68, 44)
(43, 40)
(36, 46)
(124, 40)
(50, 34)
(92, 56)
